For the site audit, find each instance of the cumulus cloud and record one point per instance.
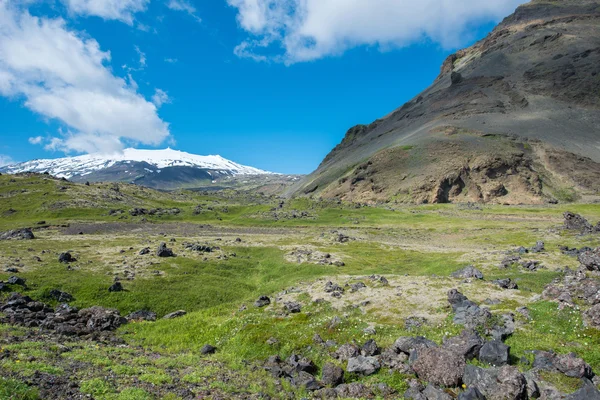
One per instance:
(122, 10)
(36, 140)
(62, 75)
(160, 97)
(306, 30)
(5, 160)
(185, 6)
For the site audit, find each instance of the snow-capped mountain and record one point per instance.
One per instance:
(166, 168)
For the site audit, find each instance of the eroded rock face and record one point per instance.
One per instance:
(439, 366)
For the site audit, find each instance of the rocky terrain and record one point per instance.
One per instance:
(512, 119)
(114, 291)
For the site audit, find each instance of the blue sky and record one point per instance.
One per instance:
(272, 87)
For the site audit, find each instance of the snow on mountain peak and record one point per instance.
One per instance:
(86, 164)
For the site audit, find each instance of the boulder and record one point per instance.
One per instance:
(116, 287)
(61, 297)
(18, 234)
(433, 393)
(590, 259)
(592, 316)
(164, 251)
(506, 283)
(363, 365)
(332, 375)
(471, 393)
(144, 251)
(494, 353)
(576, 222)
(439, 366)
(467, 344)
(301, 364)
(15, 280)
(293, 307)
(101, 319)
(306, 381)
(208, 349)
(370, 348)
(538, 248)
(568, 364)
(262, 301)
(468, 272)
(505, 383)
(347, 351)
(66, 258)
(406, 344)
(588, 391)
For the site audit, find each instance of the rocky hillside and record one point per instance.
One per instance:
(512, 119)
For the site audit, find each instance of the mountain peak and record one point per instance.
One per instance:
(139, 166)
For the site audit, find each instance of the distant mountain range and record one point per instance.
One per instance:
(515, 118)
(162, 169)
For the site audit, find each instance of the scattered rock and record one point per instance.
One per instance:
(66, 258)
(207, 349)
(468, 272)
(363, 365)
(370, 348)
(467, 344)
(144, 251)
(576, 222)
(141, 315)
(496, 383)
(15, 280)
(589, 391)
(506, 283)
(592, 316)
(175, 314)
(18, 234)
(471, 393)
(116, 287)
(494, 353)
(412, 323)
(163, 251)
(590, 259)
(347, 351)
(439, 366)
(293, 307)
(568, 364)
(262, 301)
(538, 248)
(433, 393)
(61, 297)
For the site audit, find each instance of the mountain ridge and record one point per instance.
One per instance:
(162, 169)
(532, 83)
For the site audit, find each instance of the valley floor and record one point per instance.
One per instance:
(335, 274)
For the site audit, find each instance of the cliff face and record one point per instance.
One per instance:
(513, 118)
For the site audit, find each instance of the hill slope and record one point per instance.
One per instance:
(162, 169)
(513, 119)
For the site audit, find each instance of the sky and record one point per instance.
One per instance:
(273, 84)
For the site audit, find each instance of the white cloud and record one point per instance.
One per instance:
(122, 10)
(311, 29)
(171, 60)
(5, 160)
(62, 75)
(36, 140)
(160, 97)
(142, 56)
(185, 6)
